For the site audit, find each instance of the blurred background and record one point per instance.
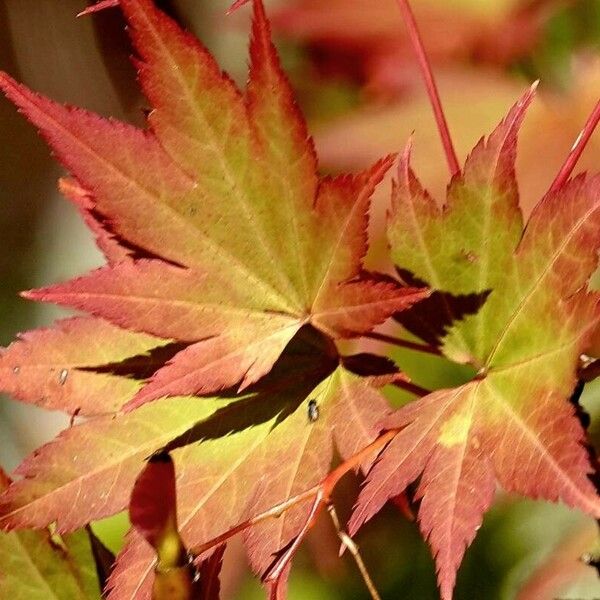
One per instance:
(356, 80)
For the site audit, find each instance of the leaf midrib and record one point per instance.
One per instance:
(506, 406)
(530, 293)
(251, 312)
(161, 436)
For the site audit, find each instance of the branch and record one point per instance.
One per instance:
(320, 492)
(432, 90)
(577, 149)
(274, 512)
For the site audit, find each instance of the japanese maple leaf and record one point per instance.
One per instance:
(221, 239)
(37, 565)
(512, 423)
(218, 230)
(234, 457)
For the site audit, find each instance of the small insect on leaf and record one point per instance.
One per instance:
(313, 411)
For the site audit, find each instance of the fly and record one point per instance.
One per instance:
(313, 411)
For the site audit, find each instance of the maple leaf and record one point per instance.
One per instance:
(220, 237)
(223, 480)
(36, 565)
(512, 423)
(237, 470)
(227, 451)
(242, 239)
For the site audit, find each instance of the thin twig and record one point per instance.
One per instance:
(322, 491)
(577, 149)
(396, 341)
(274, 512)
(432, 90)
(349, 543)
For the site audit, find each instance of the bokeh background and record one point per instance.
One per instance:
(356, 80)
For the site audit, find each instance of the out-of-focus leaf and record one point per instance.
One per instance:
(369, 39)
(563, 567)
(37, 565)
(153, 513)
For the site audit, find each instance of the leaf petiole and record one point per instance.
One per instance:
(348, 542)
(577, 149)
(396, 341)
(430, 84)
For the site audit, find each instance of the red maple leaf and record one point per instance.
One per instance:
(227, 254)
(246, 242)
(512, 424)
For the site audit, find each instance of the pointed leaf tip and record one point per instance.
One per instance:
(238, 4)
(102, 5)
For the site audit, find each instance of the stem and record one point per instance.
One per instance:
(322, 498)
(577, 149)
(273, 512)
(412, 388)
(349, 543)
(432, 90)
(355, 461)
(322, 491)
(396, 341)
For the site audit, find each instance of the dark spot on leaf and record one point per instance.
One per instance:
(313, 410)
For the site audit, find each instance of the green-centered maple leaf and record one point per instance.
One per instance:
(37, 565)
(513, 424)
(240, 242)
(228, 454)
